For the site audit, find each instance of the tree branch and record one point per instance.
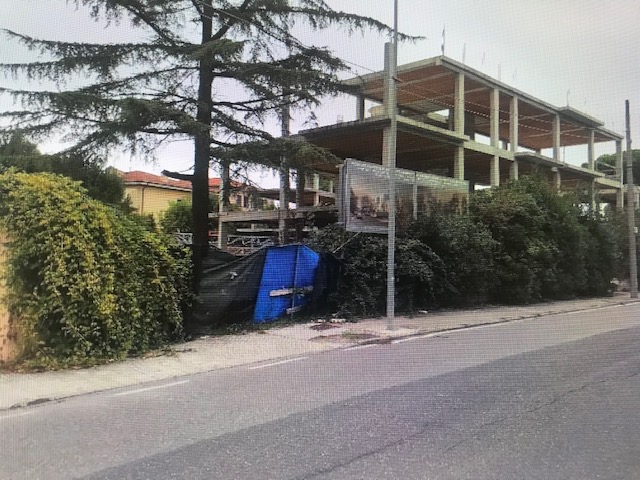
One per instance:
(138, 13)
(177, 175)
(225, 28)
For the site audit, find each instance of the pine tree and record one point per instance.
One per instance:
(101, 183)
(217, 87)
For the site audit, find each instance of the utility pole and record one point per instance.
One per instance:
(392, 106)
(284, 178)
(633, 266)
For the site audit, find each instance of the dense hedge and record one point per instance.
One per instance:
(519, 243)
(420, 273)
(467, 250)
(86, 281)
(550, 246)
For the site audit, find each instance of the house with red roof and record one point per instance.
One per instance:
(151, 194)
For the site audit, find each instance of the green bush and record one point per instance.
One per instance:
(467, 249)
(603, 253)
(420, 274)
(102, 183)
(177, 218)
(88, 282)
(520, 243)
(515, 220)
(549, 248)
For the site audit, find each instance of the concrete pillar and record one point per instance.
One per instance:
(591, 150)
(360, 107)
(494, 171)
(223, 235)
(513, 124)
(513, 170)
(513, 135)
(494, 117)
(316, 181)
(300, 187)
(458, 163)
(557, 178)
(635, 196)
(556, 137)
(223, 206)
(620, 200)
(458, 105)
(494, 127)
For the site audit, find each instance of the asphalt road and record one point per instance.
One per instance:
(552, 397)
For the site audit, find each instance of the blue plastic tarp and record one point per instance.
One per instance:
(287, 281)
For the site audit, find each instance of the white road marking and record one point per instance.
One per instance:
(417, 337)
(147, 389)
(281, 362)
(455, 330)
(443, 333)
(359, 347)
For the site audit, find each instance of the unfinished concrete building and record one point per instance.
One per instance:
(458, 122)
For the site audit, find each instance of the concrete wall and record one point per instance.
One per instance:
(8, 346)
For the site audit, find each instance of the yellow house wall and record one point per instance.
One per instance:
(154, 200)
(8, 346)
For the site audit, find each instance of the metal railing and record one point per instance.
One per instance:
(236, 244)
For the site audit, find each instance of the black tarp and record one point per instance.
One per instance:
(227, 290)
(229, 286)
(325, 283)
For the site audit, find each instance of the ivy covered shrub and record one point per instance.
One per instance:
(89, 283)
(420, 273)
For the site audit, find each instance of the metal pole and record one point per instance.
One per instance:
(392, 106)
(284, 179)
(633, 266)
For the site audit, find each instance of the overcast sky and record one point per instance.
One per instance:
(583, 51)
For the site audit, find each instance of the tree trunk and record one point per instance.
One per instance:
(202, 146)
